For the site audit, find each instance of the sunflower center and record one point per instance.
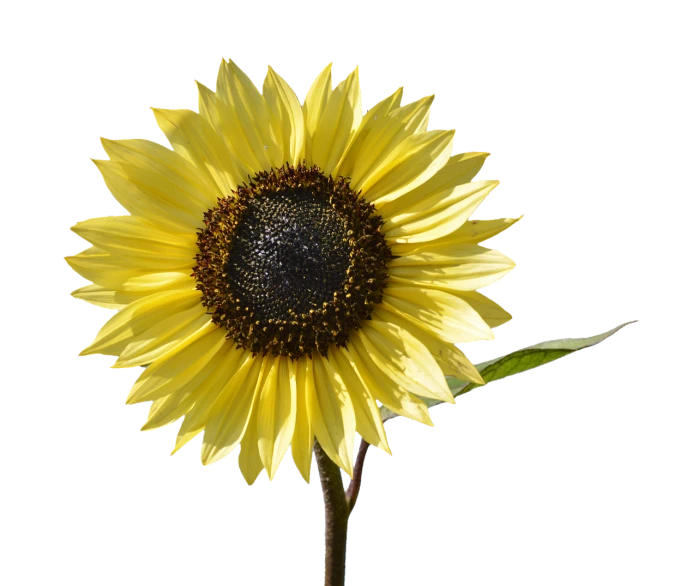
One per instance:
(291, 254)
(292, 262)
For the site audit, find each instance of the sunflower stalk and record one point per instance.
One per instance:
(336, 518)
(338, 506)
(352, 492)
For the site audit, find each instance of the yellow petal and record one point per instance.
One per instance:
(203, 388)
(368, 419)
(244, 120)
(438, 215)
(165, 163)
(141, 193)
(168, 375)
(230, 415)
(160, 414)
(194, 400)
(444, 253)
(302, 442)
(196, 418)
(384, 107)
(136, 260)
(185, 434)
(477, 231)
(315, 104)
(371, 119)
(449, 358)
(332, 415)
(166, 337)
(103, 297)
(221, 117)
(116, 271)
(383, 135)
(475, 273)
(276, 414)
(492, 313)
(249, 461)
(404, 358)
(445, 315)
(287, 114)
(458, 171)
(337, 125)
(451, 267)
(133, 236)
(471, 232)
(412, 163)
(138, 317)
(412, 117)
(142, 244)
(194, 138)
(142, 283)
(388, 391)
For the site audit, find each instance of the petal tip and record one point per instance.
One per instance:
(480, 381)
(206, 455)
(96, 162)
(149, 426)
(130, 400)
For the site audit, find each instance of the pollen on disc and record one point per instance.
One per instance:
(291, 263)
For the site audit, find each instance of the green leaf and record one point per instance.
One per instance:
(516, 362)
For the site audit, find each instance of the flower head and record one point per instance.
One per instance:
(286, 268)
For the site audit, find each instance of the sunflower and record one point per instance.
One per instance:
(285, 268)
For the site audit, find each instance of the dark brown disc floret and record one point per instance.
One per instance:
(292, 262)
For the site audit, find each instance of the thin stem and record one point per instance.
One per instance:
(355, 484)
(336, 518)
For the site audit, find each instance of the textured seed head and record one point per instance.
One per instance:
(292, 262)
